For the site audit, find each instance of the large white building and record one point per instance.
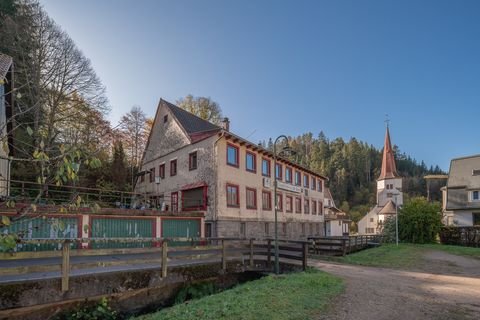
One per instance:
(191, 165)
(389, 193)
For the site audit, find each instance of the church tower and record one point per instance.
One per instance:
(389, 183)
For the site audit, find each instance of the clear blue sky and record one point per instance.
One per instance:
(288, 67)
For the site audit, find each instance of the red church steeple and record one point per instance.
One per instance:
(389, 169)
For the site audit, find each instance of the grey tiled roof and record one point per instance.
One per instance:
(5, 63)
(190, 122)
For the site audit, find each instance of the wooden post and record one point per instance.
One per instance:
(251, 253)
(344, 247)
(269, 252)
(305, 255)
(65, 265)
(224, 255)
(164, 258)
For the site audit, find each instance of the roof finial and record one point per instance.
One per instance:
(387, 120)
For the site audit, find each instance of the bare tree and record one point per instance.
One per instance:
(202, 107)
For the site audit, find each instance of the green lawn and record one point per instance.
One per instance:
(404, 256)
(293, 296)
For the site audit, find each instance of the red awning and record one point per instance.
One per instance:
(194, 185)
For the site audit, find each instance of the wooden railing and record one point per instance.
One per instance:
(247, 252)
(342, 245)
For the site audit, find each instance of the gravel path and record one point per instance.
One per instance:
(443, 286)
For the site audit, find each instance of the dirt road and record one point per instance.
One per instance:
(443, 286)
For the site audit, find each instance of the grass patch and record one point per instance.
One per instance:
(404, 256)
(293, 296)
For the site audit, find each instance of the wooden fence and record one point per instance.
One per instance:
(209, 251)
(461, 236)
(342, 245)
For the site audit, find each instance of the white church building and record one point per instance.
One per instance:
(389, 193)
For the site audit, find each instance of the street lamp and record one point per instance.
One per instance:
(396, 217)
(286, 150)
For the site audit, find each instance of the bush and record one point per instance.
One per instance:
(419, 221)
(101, 311)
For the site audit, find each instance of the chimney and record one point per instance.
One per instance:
(226, 124)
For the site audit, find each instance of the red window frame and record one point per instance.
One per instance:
(237, 156)
(291, 204)
(254, 170)
(237, 204)
(280, 171)
(289, 180)
(161, 171)
(173, 165)
(306, 180)
(269, 167)
(191, 162)
(247, 189)
(314, 207)
(203, 207)
(298, 208)
(280, 202)
(298, 174)
(320, 185)
(174, 201)
(306, 206)
(269, 194)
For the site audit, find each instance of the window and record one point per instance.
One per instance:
(279, 202)
(305, 180)
(369, 230)
(314, 183)
(476, 172)
(251, 195)
(288, 174)
(389, 195)
(266, 167)
(174, 200)
(306, 206)
(232, 155)
(267, 229)
(173, 168)
(298, 205)
(161, 171)
(320, 207)
(142, 178)
(476, 195)
(318, 228)
(298, 178)
(288, 204)
(251, 162)
(233, 196)
(320, 185)
(278, 171)
(165, 118)
(152, 175)
(303, 229)
(284, 228)
(476, 218)
(311, 228)
(371, 219)
(194, 199)
(266, 200)
(314, 207)
(243, 229)
(192, 161)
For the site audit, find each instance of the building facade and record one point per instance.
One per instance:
(6, 110)
(191, 165)
(461, 196)
(337, 222)
(389, 193)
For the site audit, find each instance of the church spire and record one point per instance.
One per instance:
(389, 169)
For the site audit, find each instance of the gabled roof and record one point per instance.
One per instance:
(389, 169)
(389, 208)
(5, 64)
(190, 122)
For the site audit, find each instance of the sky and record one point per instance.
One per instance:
(290, 67)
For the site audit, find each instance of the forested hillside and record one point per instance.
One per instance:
(353, 167)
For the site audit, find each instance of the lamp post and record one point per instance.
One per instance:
(285, 150)
(396, 218)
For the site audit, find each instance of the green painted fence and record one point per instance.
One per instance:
(44, 228)
(121, 228)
